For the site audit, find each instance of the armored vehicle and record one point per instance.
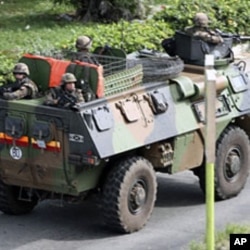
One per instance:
(142, 121)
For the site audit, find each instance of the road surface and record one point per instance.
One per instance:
(178, 218)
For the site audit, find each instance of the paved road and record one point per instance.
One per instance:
(178, 218)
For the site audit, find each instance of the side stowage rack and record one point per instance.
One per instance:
(123, 80)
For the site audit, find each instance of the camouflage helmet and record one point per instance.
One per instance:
(201, 20)
(83, 42)
(21, 68)
(67, 78)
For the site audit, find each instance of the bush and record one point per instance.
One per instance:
(227, 15)
(37, 26)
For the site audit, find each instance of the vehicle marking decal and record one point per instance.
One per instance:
(16, 153)
(76, 138)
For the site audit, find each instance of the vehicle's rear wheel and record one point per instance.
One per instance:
(129, 195)
(231, 165)
(9, 202)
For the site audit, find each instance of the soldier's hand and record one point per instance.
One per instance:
(60, 102)
(9, 96)
(204, 34)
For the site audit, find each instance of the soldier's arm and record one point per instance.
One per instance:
(215, 38)
(18, 94)
(79, 95)
(208, 37)
(51, 98)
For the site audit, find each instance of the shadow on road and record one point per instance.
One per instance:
(48, 221)
(82, 222)
(179, 190)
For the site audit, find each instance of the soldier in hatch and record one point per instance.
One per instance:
(23, 87)
(66, 95)
(201, 30)
(83, 46)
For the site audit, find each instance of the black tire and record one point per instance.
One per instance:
(231, 165)
(129, 195)
(9, 203)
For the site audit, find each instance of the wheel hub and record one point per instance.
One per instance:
(137, 197)
(140, 196)
(233, 164)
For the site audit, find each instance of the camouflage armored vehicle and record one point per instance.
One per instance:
(113, 146)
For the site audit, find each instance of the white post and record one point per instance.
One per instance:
(210, 140)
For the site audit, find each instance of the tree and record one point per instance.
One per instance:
(108, 10)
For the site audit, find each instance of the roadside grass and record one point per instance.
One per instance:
(16, 14)
(222, 238)
(33, 24)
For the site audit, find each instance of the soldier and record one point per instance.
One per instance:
(23, 87)
(83, 46)
(66, 95)
(201, 30)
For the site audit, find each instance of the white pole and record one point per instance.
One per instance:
(210, 140)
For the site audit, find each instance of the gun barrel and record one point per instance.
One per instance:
(245, 38)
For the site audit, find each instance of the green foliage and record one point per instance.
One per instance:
(27, 26)
(35, 26)
(6, 59)
(108, 11)
(227, 15)
(130, 5)
(222, 237)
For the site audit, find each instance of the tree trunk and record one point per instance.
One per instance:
(109, 10)
(88, 10)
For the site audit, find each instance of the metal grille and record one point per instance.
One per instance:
(123, 80)
(111, 64)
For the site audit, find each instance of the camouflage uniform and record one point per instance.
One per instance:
(201, 30)
(84, 56)
(21, 88)
(83, 45)
(63, 98)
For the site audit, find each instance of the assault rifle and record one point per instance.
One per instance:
(9, 87)
(66, 101)
(235, 37)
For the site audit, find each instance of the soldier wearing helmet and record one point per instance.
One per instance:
(201, 30)
(83, 45)
(66, 95)
(201, 20)
(23, 87)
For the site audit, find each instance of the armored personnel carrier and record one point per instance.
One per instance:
(113, 146)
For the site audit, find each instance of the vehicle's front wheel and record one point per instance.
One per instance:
(129, 195)
(231, 165)
(10, 203)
